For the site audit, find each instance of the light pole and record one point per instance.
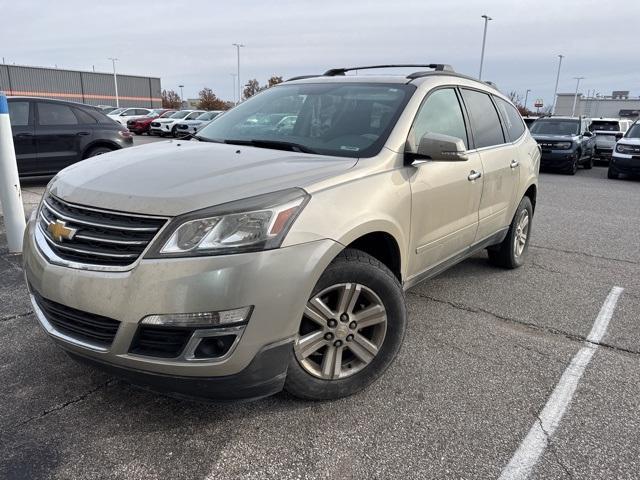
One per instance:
(555, 92)
(484, 41)
(181, 96)
(575, 96)
(526, 98)
(238, 46)
(233, 76)
(115, 80)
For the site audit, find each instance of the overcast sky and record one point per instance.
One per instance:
(190, 42)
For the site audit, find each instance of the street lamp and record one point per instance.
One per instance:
(484, 41)
(526, 98)
(115, 80)
(238, 46)
(575, 96)
(233, 76)
(181, 96)
(555, 92)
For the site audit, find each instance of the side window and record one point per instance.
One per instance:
(83, 117)
(19, 114)
(55, 114)
(511, 118)
(485, 122)
(439, 113)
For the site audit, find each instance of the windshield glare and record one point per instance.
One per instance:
(180, 114)
(634, 131)
(556, 127)
(340, 119)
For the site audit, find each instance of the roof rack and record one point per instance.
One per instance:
(440, 67)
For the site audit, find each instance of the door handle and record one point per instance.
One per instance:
(514, 163)
(473, 175)
(83, 134)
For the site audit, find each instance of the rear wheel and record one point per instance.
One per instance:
(351, 330)
(94, 152)
(512, 252)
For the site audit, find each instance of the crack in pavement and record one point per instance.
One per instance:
(66, 404)
(552, 449)
(15, 317)
(530, 325)
(591, 255)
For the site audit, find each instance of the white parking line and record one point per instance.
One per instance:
(534, 444)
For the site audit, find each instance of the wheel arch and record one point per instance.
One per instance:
(99, 143)
(381, 245)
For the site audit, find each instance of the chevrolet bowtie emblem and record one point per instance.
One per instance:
(59, 231)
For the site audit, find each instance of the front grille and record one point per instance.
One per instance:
(77, 324)
(165, 342)
(93, 236)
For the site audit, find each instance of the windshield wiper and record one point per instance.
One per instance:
(204, 139)
(275, 144)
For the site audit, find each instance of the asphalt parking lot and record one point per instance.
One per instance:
(484, 350)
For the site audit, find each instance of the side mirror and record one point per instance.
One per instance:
(619, 135)
(439, 147)
(588, 134)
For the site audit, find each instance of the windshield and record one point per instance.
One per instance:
(340, 119)
(206, 116)
(167, 114)
(180, 114)
(634, 131)
(556, 127)
(117, 111)
(154, 113)
(193, 115)
(601, 126)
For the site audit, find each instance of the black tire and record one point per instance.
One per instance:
(504, 254)
(174, 132)
(358, 267)
(95, 151)
(573, 167)
(588, 165)
(612, 174)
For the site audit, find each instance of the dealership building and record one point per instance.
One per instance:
(91, 88)
(617, 105)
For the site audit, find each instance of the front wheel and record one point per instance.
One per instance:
(588, 165)
(351, 330)
(512, 252)
(612, 174)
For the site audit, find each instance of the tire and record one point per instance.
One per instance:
(506, 254)
(588, 165)
(612, 174)
(95, 151)
(573, 168)
(365, 283)
(174, 132)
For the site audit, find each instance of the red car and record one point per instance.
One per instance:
(140, 125)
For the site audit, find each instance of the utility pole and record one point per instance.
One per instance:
(526, 97)
(575, 96)
(181, 96)
(238, 47)
(484, 41)
(115, 80)
(233, 76)
(555, 92)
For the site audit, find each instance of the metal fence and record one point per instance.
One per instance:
(91, 88)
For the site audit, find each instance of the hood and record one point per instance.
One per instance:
(175, 177)
(547, 137)
(629, 141)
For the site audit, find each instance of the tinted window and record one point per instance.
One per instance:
(440, 113)
(83, 117)
(485, 122)
(605, 126)
(634, 131)
(19, 114)
(511, 119)
(552, 126)
(56, 114)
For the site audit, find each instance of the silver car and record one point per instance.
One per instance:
(190, 127)
(258, 258)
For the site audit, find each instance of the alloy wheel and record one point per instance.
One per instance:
(521, 234)
(342, 331)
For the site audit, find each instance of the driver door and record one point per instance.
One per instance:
(445, 194)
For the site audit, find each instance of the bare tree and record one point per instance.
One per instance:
(251, 88)
(170, 99)
(210, 101)
(274, 80)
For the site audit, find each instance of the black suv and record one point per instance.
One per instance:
(51, 134)
(566, 142)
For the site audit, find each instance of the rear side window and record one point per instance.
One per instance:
(440, 113)
(19, 114)
(55, 114)
(511, 118)
(83, 117)
(485, 123)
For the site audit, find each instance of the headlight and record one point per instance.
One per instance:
(249, 225)
(563, 145)
(627, 149)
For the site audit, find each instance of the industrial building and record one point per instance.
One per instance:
(91, 88)
(618, 104)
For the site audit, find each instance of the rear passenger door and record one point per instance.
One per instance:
(21, 116)
(58, 136)
(445, 194)
(499, 162)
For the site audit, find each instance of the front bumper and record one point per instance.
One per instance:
(276, 282)
(164, 128)
(625, 164)
(557, 159)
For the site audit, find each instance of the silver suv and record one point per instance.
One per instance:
(255, 258)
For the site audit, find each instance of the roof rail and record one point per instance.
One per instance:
(301, 77)
(341, 71)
